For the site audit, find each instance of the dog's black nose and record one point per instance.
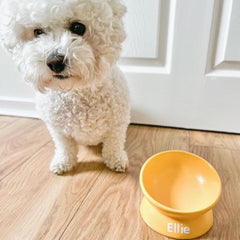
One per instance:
(56, 62)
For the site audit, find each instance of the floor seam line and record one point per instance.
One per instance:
(81, 203)
(26, 160)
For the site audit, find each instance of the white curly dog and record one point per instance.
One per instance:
(68, 49)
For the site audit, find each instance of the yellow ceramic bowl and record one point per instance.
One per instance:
(180, 190)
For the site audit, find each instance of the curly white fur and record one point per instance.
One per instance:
(90, 106)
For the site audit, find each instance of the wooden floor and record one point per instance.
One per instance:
(93, 203)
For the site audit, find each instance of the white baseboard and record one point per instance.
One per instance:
(21, 107)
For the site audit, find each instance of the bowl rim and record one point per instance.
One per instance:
(172, 210)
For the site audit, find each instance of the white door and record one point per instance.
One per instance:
(182, 62)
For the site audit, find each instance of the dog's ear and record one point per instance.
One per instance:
(9, 28)
(8, 39)
(118, 8)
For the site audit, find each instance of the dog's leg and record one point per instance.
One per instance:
(66, 150)
(114, 155)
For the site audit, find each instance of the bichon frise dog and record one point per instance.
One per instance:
(67, 49)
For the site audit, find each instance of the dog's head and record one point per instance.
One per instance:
(59, 43)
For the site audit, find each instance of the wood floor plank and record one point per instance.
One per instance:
(111, 209)
(212, 139)
(227, 212)
(18, 141)
(36, 204)
(6, 120)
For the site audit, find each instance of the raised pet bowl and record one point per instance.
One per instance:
(180, 190)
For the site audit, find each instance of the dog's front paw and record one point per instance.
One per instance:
(62, 165)
(117, 162)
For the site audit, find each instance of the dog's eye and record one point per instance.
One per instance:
(38, 32)
(78, 28)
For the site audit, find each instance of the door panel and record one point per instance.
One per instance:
(233, 36)
(147, 28)
(224, 51)
(142, 39)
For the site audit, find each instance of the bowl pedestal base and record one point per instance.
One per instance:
(179, 227)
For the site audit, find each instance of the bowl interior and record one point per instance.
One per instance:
(181, 181)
